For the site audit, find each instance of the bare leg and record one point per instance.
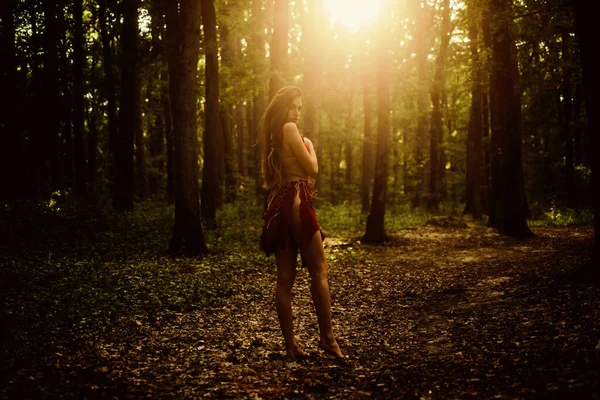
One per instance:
(319, 287)
(286, 273)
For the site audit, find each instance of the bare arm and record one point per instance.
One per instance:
(302, 149)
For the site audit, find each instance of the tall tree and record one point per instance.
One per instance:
(486, 33)
(240, 112)
(473, 204)
(421, 43)
(279, 46)
(110, 81)
(586, 26)
(313, 36)
(156, 86)
(567, 119)
(46, 147)
(142, 184)
(78, 99)
(508, 211)
(436, 132)
(368, 150)
(229, 62)
(183, 39)
(375, 230)
(124, 176)
(257, 56)
(211, 188)
(9, 154)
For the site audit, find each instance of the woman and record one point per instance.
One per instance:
(289, 165)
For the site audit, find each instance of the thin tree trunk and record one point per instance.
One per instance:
(125, 182)
(422, 44)
(230, 181)
(279, 46)
(142, 182)
(9, 117)
(93, 124)
(48, 134)
(240, 111)
(110, 86)
(567, 122)
(156, 87)
(485, 96)
(348, 145)
(437, 128)
(169, 140)
(473, 203)
(78, 100)
(257, 55)
(211, 188)
(183, 38)
(586, 26)
(368, 156)
(229, 60)
(375, 230)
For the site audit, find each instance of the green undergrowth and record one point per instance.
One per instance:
(75, 264)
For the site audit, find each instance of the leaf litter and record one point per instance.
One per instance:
(436, 312)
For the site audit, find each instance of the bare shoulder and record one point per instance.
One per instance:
(290, 127)
(291, 132)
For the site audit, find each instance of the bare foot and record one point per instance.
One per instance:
(331, 347)
(295, 354)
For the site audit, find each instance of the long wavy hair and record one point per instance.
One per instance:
(271, 123)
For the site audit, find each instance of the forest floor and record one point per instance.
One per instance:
(436, 312)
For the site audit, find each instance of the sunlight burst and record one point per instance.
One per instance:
(353, 13)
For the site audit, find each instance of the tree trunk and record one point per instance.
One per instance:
(486, 192)
(567, 122)
(314, 48)
(78, 100)
(142, 182)
(240, 111)
(211, 188)
(279, 46)
(229, 60)
(156, 86)
(9, 117)
(125, 182)
(94, 118)
(48, 128)
(368, 156)
(183, 39)
(423, 23)
(375, 230)
(473, 203)
(508, 212)
(437, 128)
(257, 55)
(230, 181)
(169, 132)
(586, 34)
(110, 86)
(348, 145)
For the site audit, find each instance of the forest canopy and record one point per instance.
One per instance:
(451, 106)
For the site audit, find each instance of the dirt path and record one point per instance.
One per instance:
(436, 313)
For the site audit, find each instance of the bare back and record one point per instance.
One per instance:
(296, 161)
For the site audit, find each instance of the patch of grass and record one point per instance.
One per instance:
(556, 217)
(346, 220)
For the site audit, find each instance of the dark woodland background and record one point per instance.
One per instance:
(476, 107)
(457, 144)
